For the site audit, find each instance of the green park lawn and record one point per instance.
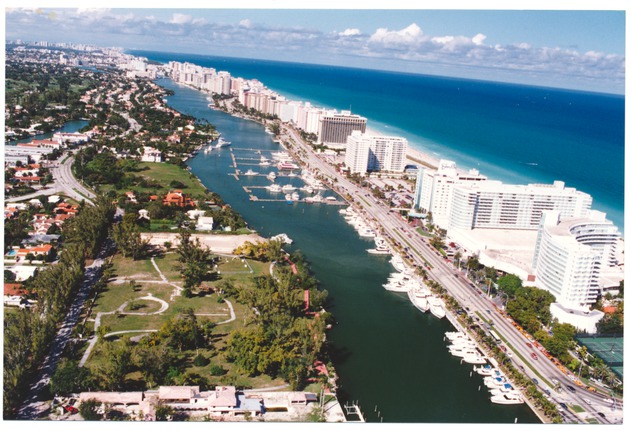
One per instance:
(207, 306)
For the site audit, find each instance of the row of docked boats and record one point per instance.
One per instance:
(501, 390)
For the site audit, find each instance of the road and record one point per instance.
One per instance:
(34, 406)
(395, 228)
(64, 182)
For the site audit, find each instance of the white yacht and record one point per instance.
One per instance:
(494, 382)
(485, 370)
(274, 188)
(250, 172)
(475, 359)
(288, 188)
(461, 351)
(288, 198)
(222, 143)
(367, 232)
(508, 398)
(418, 297)
(295, 196)
(272, 175)
(436, 306)
(308, 189)
(282, 237)
(398, 263)
(379, 249)
(314, 199)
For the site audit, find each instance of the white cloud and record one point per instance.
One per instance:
(478, 39)
(180, 18)
(247, 23)
(410, 35)
(350, 32)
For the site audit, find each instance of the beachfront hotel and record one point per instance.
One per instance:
(575, 259)
(434, 189)
(494, 205)
(366, 152)
(334, 128)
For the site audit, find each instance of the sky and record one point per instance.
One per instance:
(534, 42)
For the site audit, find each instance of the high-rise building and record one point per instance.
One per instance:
(494, 205)
(335, 128)
(570, 255)
(435, 189)
(365, 152)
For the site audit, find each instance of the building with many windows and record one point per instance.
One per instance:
(334, 128)
(570, 257)
(365, 152)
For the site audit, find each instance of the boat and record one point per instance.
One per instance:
(475, 359)
(314, 199)
(295, 196)
(436, 306)
(250, 173)
(274, 188)
(506, 387)
(222, 143)
(268, 131)
(379, 249)
(282, 237)
(272, 176)
(398, 263)
(512, 397)
(418, 297)
(287, 166)
(494, 382)
(328, 198)
(288, 198)
(308, 189)
(264, 161)
(485, 370)
(288, 188)
(367, 232)
(455, 335)
(207, 149)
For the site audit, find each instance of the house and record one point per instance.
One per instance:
(13, 294)
(177, 198)
(205, 223)
(150, 154)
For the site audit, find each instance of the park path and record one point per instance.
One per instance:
(164, 306)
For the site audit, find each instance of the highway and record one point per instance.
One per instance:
(393, 227)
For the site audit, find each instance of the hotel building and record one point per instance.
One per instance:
(494, 205)
(434, 189)
(365, 152)
(335, 128)
(570, 256)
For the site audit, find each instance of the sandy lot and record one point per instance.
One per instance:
(217, 243)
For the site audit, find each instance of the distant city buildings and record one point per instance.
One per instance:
(366, 152)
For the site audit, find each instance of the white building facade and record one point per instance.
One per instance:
(570, 256)
(365, 152)
(335, 128)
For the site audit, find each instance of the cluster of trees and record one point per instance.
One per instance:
(196, 262)
(126, 235)
(161, 359)
(264, 251)
(283, 340)
(28, 333)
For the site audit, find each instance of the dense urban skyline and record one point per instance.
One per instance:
(582, 49)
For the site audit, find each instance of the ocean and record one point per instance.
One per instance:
(513, 133)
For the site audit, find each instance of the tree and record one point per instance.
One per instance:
(195, 260)
(88, 410)
(509, 284)
(117, 364)
(128, 238)
(68, 378)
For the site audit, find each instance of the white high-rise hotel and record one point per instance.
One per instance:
(365, 152)
(335, 128)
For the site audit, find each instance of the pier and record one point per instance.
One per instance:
(354, 410)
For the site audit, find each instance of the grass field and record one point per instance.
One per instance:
(163, 174)
(207, 306)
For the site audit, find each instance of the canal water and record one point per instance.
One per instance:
(69, 127)
(391, 359)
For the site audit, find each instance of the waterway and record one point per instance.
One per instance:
(68, 127)
(391, 358)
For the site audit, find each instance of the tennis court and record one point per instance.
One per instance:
(609, 349)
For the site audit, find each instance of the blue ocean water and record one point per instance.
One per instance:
(514, 133)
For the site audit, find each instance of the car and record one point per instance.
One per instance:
(571, 388)
(563, 405)
(587, 401)
(535, 381)
(601, 414)
(534, 356)
(547, 391)
(528, 345)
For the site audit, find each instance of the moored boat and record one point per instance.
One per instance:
(436, 306)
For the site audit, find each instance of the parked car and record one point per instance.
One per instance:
(571, 388)
(534, 356)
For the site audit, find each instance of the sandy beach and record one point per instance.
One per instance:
(224, 244)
